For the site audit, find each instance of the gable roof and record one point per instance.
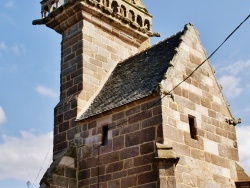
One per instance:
(135, 78)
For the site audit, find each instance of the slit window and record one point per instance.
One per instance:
(192, 126)
(105, 130)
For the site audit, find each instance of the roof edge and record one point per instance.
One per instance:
(88, 104)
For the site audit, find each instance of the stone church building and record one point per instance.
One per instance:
(131, 114)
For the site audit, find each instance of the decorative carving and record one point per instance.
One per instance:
(136, 16)
(233, 121)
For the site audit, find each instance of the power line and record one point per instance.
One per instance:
(169, 92)
(42, 165)
(210, 55)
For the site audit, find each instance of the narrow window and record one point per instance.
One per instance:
(192, 126)
(105, 130)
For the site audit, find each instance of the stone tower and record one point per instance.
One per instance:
(117, 125)
(96, 34)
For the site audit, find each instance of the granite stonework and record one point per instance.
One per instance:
(121, 122)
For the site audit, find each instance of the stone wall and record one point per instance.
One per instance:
(208, 159)
(127, 160)
(89, 53)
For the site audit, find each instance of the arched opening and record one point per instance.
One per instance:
(147, 24)
(123, 11)
(139, 20)
(114, 6)
(131, 15)
(106, 3)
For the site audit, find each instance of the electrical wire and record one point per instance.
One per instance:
(42, 164)
(169, 92)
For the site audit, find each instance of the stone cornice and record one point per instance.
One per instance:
(72, 12)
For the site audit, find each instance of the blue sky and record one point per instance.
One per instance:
(30, 64)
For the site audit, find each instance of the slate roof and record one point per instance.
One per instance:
(135, 78)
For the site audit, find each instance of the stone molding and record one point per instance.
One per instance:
(131, 18)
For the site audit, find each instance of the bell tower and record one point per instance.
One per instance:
(96, 34)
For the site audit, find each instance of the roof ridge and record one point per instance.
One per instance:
(134, 78)
(150, 47)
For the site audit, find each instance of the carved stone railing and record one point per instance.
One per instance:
(49, 5)
(128, 12)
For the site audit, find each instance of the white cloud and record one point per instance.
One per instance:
(46, 91)
(2, 116)
(230, 84)
(243, 138)
(9, 4)
(3, 45)
(22, 157)
(236, 68)
(18, 49)
(6, 19)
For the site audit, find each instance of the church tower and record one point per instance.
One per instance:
(96, 34)
(131, 115)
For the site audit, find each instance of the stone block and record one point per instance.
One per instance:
(129, 152)
(110, 158)
(211, 146)
(118, 143)
(147, 177)
(107, 148)
(128, 163)
(121, 174)
(114, 184)
(59, 181)
(105, 178)
(114, 167)
(211, 113)
(99, 170)
(138, 170)
(197, 154)
(144, 159)
(166, 169)
(181, 149)
(168, 182)
(155, 120)
(149, 185)
(144, 135)
(221, 132)
(84, 174)
(129, 181)
(213, 137)
(88, 163)
(194, 98)
(182, 126)
(147, 148)
(67, 161)
(133, 111)
(219, 161)
(206, 102)
(173, 133)
(232, 153)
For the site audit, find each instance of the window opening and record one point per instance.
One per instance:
(192, 126)
(105, 130)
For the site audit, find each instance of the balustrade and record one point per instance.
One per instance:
(121, 8)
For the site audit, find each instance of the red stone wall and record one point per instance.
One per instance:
(88, 54)
(128, 158)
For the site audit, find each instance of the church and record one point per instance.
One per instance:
(135, 115)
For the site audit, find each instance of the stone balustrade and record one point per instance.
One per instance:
(49, 5)
(128, 12)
